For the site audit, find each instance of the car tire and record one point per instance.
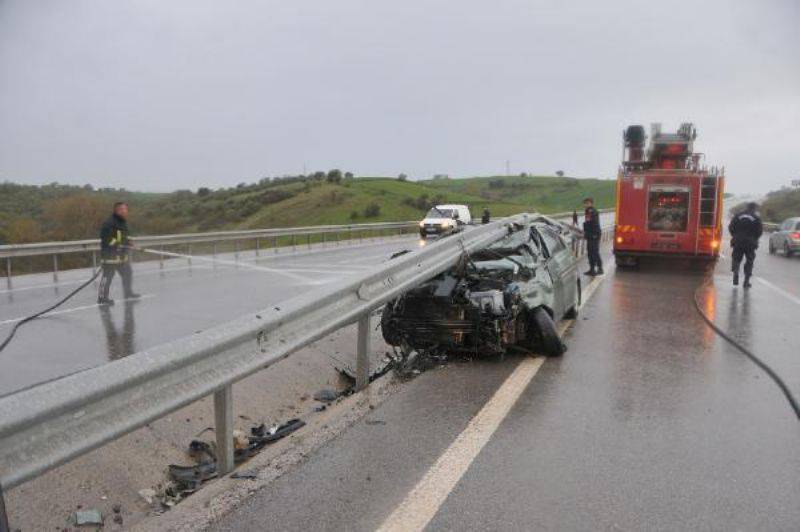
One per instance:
(787, 252)
(572, 313)
(390, 336)
(546, 334)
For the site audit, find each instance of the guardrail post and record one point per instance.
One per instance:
(214, 249)
(294, 243)
(362, 353)
(161, 259)
(3, 515)
(55, 268)
(323, 239)
(275, 243)
(337, 237)
(189, 253)
(258, 247)
(235, 250)
(8, 272)
(223, 420)
(308, 240)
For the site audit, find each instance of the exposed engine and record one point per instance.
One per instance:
(457, 314)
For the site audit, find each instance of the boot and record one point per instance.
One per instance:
(735, 278)
(747, 281)
(599, 271)
(105, 301)
(590, 272)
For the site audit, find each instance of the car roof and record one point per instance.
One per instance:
(449, 206)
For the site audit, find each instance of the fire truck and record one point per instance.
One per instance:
(669, 205)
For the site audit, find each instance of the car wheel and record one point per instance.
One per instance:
(545, 331)
(390, 334)
(572, 313)
(786, 251)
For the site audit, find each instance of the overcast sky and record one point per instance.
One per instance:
(160, 95)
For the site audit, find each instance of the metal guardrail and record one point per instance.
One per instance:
(55, 249)
(47, 425)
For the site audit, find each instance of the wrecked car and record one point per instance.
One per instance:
(506, 296)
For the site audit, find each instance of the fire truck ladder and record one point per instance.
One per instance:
(708, 206)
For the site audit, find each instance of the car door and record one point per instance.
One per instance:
(561, 268)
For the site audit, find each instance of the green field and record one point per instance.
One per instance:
(59, 212)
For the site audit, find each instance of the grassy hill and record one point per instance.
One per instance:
(62, 212)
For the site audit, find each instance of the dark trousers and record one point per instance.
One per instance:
(593, 251)
(749, 254)
(109, 269)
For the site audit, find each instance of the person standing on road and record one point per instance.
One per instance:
(114, 254)
(745, 229)
(486, 216)
(592, 233)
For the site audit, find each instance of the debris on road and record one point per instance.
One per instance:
(148, 495)
(88, 517)
(326, 395)
(185, 480)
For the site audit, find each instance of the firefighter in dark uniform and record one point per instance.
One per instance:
(592, 233)
(745, 229)
(114, 254)
(486, 216)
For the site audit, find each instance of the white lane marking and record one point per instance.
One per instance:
(424, 501)
(304, 279)
(419, 507)
(781, 291)
(72, 309)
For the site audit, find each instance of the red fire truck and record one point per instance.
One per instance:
(668, 204)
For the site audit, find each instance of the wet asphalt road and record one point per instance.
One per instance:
(177, 301)
(649, 422)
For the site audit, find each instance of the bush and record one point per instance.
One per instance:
(354, 215)
(402, 177)
(372, 210)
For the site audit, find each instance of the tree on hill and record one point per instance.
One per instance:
(560, 173)
(334, 176)
(402, 177)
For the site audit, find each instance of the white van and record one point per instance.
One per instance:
(444, 219)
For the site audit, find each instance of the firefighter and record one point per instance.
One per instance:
(592, 233)
(745, 229)
(114, 254)
(486, 216)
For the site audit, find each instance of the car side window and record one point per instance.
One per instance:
(797, 227)
(552, 240)
(539, 242)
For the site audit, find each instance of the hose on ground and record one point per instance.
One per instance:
(749, 354)
(48, 309)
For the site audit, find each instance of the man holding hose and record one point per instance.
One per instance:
(114, 254)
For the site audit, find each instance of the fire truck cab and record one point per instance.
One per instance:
(668, 205)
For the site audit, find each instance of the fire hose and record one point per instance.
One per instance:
(749, 354)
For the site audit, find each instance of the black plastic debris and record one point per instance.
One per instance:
(188, 479)
(349, 375)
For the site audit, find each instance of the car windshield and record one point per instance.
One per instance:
(440, 213)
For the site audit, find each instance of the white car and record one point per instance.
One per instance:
(444, 219)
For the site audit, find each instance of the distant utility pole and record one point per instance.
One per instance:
(508, 167)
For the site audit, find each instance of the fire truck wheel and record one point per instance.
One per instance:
(548, 340)
(572, 313)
